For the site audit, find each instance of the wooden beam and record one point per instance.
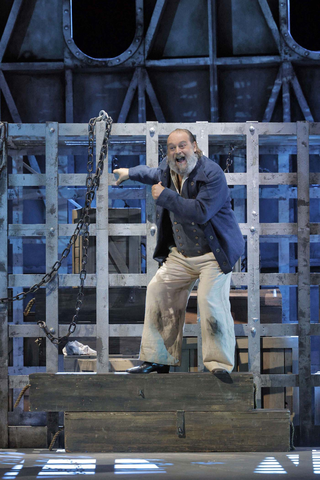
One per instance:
(270, 21)
(3, 307)
(9, 27)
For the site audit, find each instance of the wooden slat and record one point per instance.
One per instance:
(27, 436)
(118, 393)
(258, 430)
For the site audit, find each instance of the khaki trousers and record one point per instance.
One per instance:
(166, 301)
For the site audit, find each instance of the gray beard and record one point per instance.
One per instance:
(184, 172)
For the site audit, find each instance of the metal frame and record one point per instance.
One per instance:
(80, 55)
(281, 233)
(284, 10)
(56, 136)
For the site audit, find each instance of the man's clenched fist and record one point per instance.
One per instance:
(123, 174)
(156, 190)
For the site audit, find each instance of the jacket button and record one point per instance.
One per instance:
(194, 230)
(211, 237)
(175, 223)
(199, 251)
(192, 183)
(196, 238)
(158, 216)
(178, 237)
(197, 244)
(224, 263)
(218, 250)
(192, 223)
(177, 230)
(164, 174)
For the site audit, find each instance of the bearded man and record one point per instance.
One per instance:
(198, 237)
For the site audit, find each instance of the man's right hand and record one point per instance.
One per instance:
(123, 174)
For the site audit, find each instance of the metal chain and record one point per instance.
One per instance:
(229, 160)
(92, 184)
(161, 152)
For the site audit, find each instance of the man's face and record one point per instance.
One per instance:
(181, 156)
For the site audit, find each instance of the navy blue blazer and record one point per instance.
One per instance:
(208, 205)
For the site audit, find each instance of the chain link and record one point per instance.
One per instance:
(161, 153)
(229, 160)
(92, 184)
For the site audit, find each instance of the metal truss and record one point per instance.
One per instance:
(305, 141)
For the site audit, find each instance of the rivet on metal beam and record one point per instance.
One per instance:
(52, 330)
(252, 129)
(252, 229)
(152, 231)
(254, 212)
(253, 331)
(255, 319)
(52, 231)
(152, 131)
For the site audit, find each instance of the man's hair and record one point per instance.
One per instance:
(192, 139)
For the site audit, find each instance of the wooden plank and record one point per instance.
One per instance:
(118, 393)
(102, 259)
(27, 437)
(258, 430)
(4, 306)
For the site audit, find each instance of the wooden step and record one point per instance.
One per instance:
(111, 392)
(177, 431)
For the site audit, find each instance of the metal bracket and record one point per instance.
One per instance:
(181, 429)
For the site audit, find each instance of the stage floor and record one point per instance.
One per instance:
(36, 464)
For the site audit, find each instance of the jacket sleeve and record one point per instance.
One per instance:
(144, 174)
(210, 199)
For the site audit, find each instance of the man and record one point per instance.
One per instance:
(198, 237)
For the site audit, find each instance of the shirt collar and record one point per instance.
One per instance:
(174, 178)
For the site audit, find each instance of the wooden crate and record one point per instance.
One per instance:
(124, 251)
(278, 355)
(136, 393)
(198, 412)
(177, 431)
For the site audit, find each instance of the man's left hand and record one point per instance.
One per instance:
(156, 190)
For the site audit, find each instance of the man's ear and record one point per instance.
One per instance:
(194, 147)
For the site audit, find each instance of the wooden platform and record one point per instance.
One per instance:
(178, 412)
